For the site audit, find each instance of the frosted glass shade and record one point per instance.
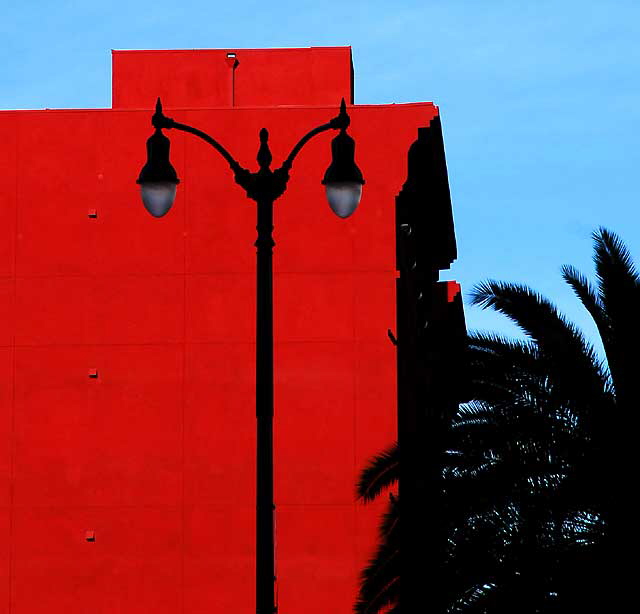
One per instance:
(158, 196)
(343, 197)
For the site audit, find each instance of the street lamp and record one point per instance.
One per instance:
(343, 182)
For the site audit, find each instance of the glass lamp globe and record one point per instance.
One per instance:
(158, 196)
(158, 179)
(343, 197)
(343, 180)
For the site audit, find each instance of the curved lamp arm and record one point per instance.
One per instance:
(160, 120)
(287, 164)
(339, 122)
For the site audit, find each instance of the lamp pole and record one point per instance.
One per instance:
(343, 181)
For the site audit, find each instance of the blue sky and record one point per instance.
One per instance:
(540, 102)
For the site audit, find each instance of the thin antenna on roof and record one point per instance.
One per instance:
(232, 62)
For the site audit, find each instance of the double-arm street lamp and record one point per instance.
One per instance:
(343, 182)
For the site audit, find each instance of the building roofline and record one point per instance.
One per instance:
(220, 108)
(213, 49)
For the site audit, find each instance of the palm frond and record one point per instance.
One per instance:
(619, 293)
(380, 578)
(574, 368)
(473, 599)
(613, 262)
(536, 316)
(389, 525)
(380, 473)
(588, 296)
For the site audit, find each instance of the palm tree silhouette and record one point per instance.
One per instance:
(539, 465)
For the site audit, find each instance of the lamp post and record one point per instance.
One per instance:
(343, 183)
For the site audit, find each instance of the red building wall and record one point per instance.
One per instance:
(157, 454)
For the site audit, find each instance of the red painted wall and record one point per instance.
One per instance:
(250, 78)
(156, 454)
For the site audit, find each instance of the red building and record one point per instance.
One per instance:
(127, 424)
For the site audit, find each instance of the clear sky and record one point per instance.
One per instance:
(539, 100)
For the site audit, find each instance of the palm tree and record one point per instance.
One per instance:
(595, 398)
(539, 463)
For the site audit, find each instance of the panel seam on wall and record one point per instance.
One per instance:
(13, 382)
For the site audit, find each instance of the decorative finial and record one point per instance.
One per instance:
(264, 153)
(158, 120)
(342, 120)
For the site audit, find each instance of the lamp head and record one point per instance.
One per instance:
(343, 180)
(158, 179)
